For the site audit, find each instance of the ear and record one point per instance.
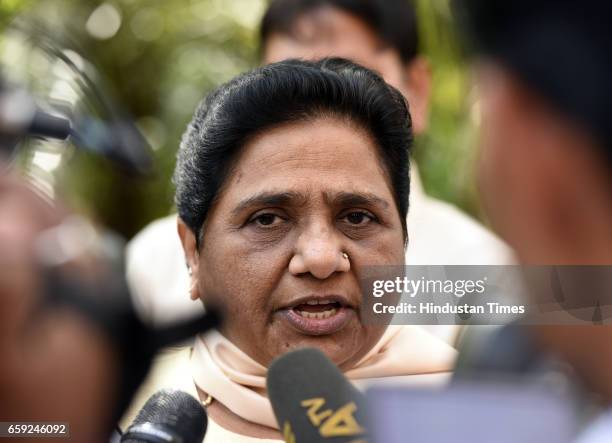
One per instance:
(417, 78)
(192, 258)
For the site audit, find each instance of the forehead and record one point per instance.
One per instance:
(324, 32)
(313, 157)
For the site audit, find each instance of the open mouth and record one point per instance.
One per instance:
(319, 316)
(317, 309)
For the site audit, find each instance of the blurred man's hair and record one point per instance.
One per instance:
(393, 21)
(560, 48)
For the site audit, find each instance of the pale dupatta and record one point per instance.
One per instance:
(234, 379)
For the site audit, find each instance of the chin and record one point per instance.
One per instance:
(344, 349)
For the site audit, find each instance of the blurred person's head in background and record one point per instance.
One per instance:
(543, 69)
(378, 34)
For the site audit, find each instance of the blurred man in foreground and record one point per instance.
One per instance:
(57, 366)
(381, 35)
(543, 70)
(73, 350)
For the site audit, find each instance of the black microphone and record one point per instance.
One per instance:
(313, 401)
(510, 351)
(169, 416)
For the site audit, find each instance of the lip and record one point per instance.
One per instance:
(329, 298)
(319, 326)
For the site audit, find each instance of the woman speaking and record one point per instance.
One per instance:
(290, 180)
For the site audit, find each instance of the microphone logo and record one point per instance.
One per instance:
(288, 435)
(338, 423)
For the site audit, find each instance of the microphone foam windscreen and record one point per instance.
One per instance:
(168, 416)
(313, 401)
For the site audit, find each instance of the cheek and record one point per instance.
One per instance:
(494, 166)
(386, 249)
(239, 277)
(502, 137)
(391, 252)
(488, 167)
(492, 187)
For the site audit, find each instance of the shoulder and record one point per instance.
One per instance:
(157, 274)
(454, 237)
(216, 433)
(170, 370)
(158, 234)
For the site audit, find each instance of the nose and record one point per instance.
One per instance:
(319, 252)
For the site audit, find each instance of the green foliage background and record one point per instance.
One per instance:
(167, 54)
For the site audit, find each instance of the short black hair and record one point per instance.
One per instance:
(560, 48)
(393, 21)
(288, 91)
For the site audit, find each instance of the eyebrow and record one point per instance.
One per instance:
(356, 199)
(267, 198)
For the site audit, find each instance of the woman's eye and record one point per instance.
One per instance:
(358, 218)
(266, 220)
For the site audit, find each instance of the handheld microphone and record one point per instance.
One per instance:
(313, 401)
(510, 351)
(169, 416)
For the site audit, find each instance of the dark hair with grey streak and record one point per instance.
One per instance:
(289, 91)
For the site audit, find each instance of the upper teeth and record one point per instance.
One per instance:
(318, 302)
(319, 315)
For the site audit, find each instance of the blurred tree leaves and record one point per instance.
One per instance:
(8, 8)
(166, 54)
(446, 153)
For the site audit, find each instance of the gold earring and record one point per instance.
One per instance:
(190, 293)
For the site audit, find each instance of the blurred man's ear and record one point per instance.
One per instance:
(190, 248)
(418, 89)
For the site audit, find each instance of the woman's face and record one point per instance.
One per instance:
(299, 196)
